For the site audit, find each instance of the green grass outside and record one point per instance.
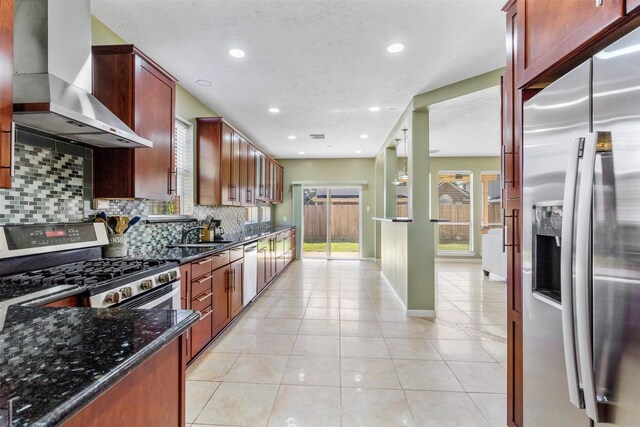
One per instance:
(335, 247)
(453, 247)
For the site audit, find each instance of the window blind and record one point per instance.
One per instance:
(184, 167)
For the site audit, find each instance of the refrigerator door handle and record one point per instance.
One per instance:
(583, 274)
(566, 272)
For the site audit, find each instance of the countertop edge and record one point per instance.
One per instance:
(80, 400)
(225, 246)
(392, 219)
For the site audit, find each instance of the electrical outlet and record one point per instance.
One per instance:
(368, 208)
(284, 219)
(100, 204)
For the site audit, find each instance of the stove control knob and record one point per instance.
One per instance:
(164, 278)
(113, 297)
(173, 275)
(146, 284)
(126, 292)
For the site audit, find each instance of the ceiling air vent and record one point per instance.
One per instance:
(317, 136)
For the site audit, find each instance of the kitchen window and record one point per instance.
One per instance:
(455, 204)
(183, 201)
(491, 201)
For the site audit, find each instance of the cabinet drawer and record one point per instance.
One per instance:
(200, 286)
(236, 253)
(220, 260)
(201, 332)
(201, 268)
(200, 303)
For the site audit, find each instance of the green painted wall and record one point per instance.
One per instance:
(188, 106)
(332, 170)
(476, 165)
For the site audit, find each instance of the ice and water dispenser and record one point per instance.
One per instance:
(547, 230)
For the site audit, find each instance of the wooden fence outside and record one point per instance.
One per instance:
(345, 223)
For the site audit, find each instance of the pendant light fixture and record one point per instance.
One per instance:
(404, 176)
(396, 180)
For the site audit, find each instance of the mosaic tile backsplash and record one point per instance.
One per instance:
(53, 181)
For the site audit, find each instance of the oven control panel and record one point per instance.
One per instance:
(21, 240)
(133, 289)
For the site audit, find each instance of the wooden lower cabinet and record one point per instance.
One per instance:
(150, 395)
(221, 315)
(235, 287)
(218, 294)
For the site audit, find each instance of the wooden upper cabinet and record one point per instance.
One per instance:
(552, 31)
(6, 92)
(231, 171)
(142, 95)
(251, 176)
(279, 183)
(243, 194)
(209, 135)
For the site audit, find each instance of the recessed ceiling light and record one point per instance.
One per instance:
(365, 136)
(374, 109)
(395, 48)
(291, 137)
(274, 110)
(358, 151)
(203, 82)
(300, 152)
(237, 53)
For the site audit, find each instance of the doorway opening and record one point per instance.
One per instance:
(332, 222)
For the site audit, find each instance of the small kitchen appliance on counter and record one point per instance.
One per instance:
(73, 261)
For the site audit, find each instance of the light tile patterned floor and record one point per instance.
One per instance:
(327, 344)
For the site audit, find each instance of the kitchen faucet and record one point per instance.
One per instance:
(187, 231)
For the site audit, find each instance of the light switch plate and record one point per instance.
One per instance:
(284, 219)
(368, 208)
(100, 204)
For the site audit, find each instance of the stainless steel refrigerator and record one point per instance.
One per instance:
(581, 244)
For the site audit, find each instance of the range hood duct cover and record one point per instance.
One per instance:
(52, 76)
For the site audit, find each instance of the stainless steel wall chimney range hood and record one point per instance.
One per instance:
(52, 76)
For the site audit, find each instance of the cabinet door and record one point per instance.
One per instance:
(226, 167)
(243, 162)
(208, 161)
(235, 281)
(155, 121)
(551, 31)
(251, 176)
(263, 257)
(273, 258)
(220, 304)
(280, 186)
(6, 91)
(201, 332)
(262, 184)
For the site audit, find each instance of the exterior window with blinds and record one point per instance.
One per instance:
(182, 203)
(455, 203)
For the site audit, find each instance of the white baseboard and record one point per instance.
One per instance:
(393, 291)
(459, 260)
(409, 313)
(421, 313)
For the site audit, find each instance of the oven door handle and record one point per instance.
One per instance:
(170, 295)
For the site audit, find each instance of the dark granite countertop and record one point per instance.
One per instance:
(55, 360)
(393, 219)
(187, 255)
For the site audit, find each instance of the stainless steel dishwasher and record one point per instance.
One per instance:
(250, 273)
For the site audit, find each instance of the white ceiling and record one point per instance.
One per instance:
(323, 63)
(466, 126)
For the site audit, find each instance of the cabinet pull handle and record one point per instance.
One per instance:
(504, 230)
(172, 188)
(12, 149)
(233, 274)
(204, 280)
(505, 153)
(204, 297)
(204, 262)
(599, 3)
(226, 279)
(205, 314)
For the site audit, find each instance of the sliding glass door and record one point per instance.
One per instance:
(332, 218)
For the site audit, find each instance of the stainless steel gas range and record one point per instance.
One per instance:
(41, 260)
